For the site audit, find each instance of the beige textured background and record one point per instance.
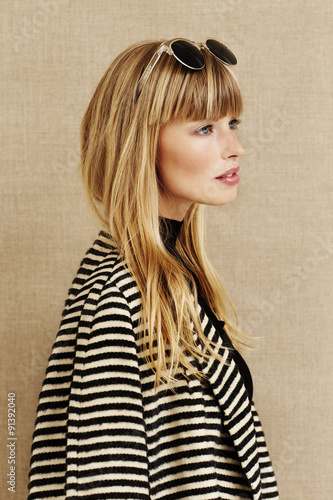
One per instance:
(273, 246)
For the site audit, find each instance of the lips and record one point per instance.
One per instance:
(229, 173)
(229, 177)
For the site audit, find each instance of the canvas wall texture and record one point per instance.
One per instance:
(273, 247)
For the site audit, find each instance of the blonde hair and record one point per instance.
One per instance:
(119, 137)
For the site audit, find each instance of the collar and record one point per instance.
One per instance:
(170, 229)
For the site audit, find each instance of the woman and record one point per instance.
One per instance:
(146, 395)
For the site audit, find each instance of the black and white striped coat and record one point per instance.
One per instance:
(103, 431)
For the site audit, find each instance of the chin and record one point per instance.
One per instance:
(226, 198)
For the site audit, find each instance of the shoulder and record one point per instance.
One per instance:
(102, 310)
(102, 274)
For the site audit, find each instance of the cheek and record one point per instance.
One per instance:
(171, 162)
(181, 160)
(178, 162)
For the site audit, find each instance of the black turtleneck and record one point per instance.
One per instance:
(169, 231)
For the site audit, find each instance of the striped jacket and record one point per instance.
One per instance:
(103, 432)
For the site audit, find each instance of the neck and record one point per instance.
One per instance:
(170, 209)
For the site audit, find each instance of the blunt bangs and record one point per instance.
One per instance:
(207, 94)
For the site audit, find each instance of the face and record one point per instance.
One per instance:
(197, 162)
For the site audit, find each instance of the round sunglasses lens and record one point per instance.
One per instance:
(221, 51)
(188, 54)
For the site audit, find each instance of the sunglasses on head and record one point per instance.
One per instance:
(188, 54)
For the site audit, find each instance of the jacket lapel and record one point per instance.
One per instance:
(229, 389)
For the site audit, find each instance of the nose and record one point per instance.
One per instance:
(233, 147)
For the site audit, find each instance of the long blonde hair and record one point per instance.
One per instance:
(119, 137)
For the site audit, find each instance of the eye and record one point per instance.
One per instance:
(206, 130)
(233, 124)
